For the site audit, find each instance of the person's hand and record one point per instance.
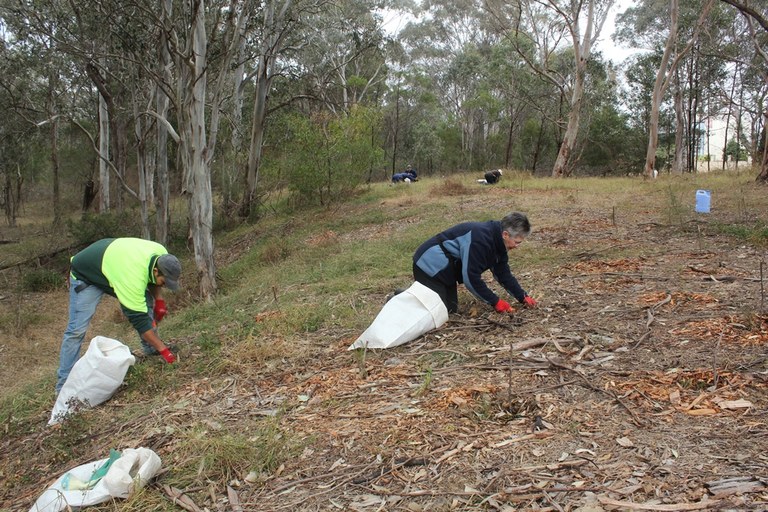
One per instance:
(503, 307)
(529, 302)
(160, 310)
(168, 355)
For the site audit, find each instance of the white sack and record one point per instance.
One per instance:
(95, 376)
(404, 318)
(133, 470)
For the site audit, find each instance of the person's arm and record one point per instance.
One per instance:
(472, 267)
(153, 339)
(505, 278)
(160, 309)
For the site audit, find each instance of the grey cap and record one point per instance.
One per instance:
(170, 268)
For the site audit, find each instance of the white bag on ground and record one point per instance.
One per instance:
(95, 376)
(132, 471)
(404, 318)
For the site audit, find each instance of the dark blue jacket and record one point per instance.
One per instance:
(473, 247)
(400, 176)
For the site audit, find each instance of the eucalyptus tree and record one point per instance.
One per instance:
(44, 85)
(444, 44)
(549, 25)
(646, 19)
(276, 36)
(21, 92)
(344, 55)
(197, 29)
(521, 92)
(755, 15)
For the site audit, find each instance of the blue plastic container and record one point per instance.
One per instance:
(703, 198)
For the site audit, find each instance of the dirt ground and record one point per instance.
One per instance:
(640, 383)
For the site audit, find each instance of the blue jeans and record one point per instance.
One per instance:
(82, 306)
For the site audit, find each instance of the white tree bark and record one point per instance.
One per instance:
(231, 178)
(162, 102)
(194, 150)
(104, 152)
(274, 31)
(141, 171)
(663, 75)
(659, 87)
(680, 149)
(582, 50)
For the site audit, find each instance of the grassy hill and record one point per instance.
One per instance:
(650, 314)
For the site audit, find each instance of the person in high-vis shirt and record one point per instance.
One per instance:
(134, 271)
(462, 253)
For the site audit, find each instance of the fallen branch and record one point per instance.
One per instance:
(650, 319)
(637, 421)
(736, 485)
(451, 453)
(651, 506)
(413, 461)
(511, 495)
(294, 483)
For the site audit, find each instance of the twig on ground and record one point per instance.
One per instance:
(655, 506)
(637, 421)
(413, 461)
(650, 319)
(180, 499)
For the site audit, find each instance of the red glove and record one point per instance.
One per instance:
(168, 355)
(528, 301)
(503, 307)
(160, 310)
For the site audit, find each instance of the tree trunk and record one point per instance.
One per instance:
(581, 51)
(510, 132)
(232, 177)
(537, 148)
(763, 176)
(396, 129)
(563, 161)
(12, 195)
(194, 149)
(257, 136)
(662, 78)
(659, 87)
(678, 163)
(162, 101)
(53, 114)
(273, 21)
(116, 129)
(141, 171)
(104, 156)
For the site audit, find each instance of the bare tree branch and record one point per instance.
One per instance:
(747, 10)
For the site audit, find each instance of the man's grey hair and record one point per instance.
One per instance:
(516, 224)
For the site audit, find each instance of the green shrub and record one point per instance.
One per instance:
(92, 227)
(42, 280)
(329, 157)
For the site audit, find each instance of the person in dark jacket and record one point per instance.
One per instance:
(463, 252)
(132, 270)
(492, 177)
(408, 175)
